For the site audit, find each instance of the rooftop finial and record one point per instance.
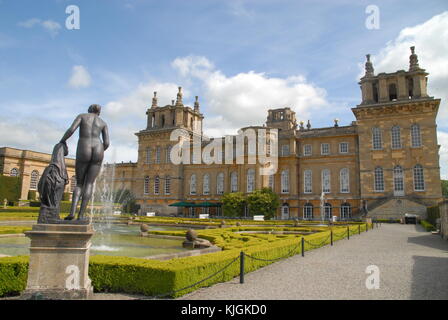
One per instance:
(413, 60)
(179, 97)
(196, 104)
(369, 67)
(154, 100)
(308, 125)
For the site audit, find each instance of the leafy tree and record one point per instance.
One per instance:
(233, 204)
(445, 188)
(126, 198)
(263, 202)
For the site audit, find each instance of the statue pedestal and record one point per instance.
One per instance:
(59, 262)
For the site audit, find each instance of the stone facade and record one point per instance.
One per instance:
(386, 173)
(443, 207)
(27, 164)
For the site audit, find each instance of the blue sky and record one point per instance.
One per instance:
(124, 50)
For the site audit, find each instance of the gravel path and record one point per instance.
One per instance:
(413, 264)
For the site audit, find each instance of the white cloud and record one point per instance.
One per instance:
(80, 77)
(442, 139)
(431, 45)
(50, 26)
(243, 99)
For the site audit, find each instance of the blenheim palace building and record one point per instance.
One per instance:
(385, 164)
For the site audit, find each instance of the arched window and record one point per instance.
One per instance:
(308, 181)
(411, 88)
(344, 180)
(416, 139)
(146, 185)
(206, 184)
(308, 211)
(326, 182)
(327, 211)
(162, 121)
(395, 137)
(377, 141)
(233, 182)
(14, 172)
(419, 178)
(346, 211)
(285, 211)
(392, 92)
(148, 155)
(167, 185)
(220, 183)
(193, 184)
(156, 185)
(34, 179)
(285, 181)
(379, 179)
(250, 180)
(398, 181)
(375, 92)
(73, 183)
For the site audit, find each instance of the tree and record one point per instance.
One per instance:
(445, 188)
(263, 202)
(233, 204)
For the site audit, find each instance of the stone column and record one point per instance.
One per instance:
(59, 262)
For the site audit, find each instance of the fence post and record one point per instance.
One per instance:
(348, 232)
(242, 267)
(367, 226)
(303, 246)
(359, 229)
(331, 236)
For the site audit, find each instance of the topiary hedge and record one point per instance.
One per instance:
(428, 226)
(9, 188)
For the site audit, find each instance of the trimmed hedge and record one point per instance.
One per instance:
(433, 213)
(9, 188)
(428, 226)
(13, 229)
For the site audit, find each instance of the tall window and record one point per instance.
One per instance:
(396, 137)
(146, 185)
(344, 180)
(343, 147)
(416, 139)
(379, 179)
(285, 181)
(206, 184)
(325, 148)
(14, 172)
(34, 179)
(308, 211)
(419, 178)
(220, 183)
(156, 185)
(398, 180)
(148, 155)
(168, 154)
(167, 185)
(392, 92)
(72, 183)
(307, 181)
(307, 150)
(250, 180)
(233, 182)
(193, 184)
(377, 140)
(327, 211)
(271, 181)
(285, 150)
(326, 182)
(158, 151)
(346, 211)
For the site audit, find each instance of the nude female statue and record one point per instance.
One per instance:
(89, 155)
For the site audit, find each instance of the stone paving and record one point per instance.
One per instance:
(413, 264)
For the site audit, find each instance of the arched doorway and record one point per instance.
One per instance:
(285, 211)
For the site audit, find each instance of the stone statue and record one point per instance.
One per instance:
(5, 203)
(52, 184)
(89, 156)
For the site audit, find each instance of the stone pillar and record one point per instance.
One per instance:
(59, 262)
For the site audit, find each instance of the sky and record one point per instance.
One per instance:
(241, 57)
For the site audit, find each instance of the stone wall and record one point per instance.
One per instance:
(443, 206)
(397, 208)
